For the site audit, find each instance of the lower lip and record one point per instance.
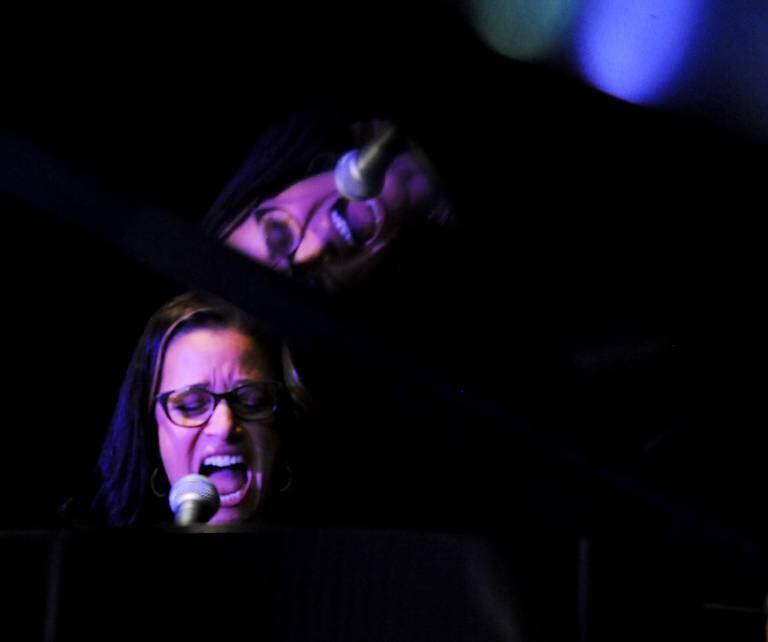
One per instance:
(378, 214)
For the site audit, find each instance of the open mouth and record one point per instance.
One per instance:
(230, 474)
(355, 222)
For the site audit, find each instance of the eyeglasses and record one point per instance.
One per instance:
(193, 407)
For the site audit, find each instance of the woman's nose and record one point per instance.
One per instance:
(311, 246)
(222, 423)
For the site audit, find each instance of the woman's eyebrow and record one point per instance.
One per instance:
(259, 211)
(243, 380)
(198, 384)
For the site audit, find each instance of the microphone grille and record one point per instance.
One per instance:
(194, 487)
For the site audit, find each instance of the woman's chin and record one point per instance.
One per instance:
(227, 516)
(233, 514)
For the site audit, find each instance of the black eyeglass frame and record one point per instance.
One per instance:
(231, 398)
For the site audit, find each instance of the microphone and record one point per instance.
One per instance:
(194, 500)
(360, 173)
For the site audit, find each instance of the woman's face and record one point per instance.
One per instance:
(310, 224)
(236, 455)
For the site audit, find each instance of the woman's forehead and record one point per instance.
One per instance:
(212, 352)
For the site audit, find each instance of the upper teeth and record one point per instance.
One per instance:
(220, 461)
(341, 226)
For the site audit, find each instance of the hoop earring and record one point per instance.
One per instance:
(293, 382)
(153, 482)
(289, 482)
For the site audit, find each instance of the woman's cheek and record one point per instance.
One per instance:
(420, 190)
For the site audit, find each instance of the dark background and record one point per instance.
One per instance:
(602, 290)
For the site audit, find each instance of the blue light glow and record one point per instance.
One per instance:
(635, 49)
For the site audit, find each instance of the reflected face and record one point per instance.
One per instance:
(237, 455)
(310, 224)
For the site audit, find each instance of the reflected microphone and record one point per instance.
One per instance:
(194, 500)
(360, 173)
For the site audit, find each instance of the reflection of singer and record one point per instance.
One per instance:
(204, 394)
(285, 207)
